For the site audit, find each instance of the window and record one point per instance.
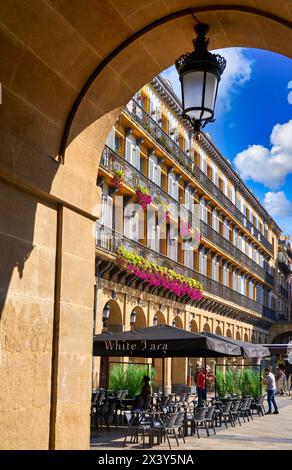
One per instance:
(107, 211)
(188, 255)
(154, 170)
(173, 186)
(234, 280)
(203, 263)
(110, 141)
(132, 152)
(225, 275)
(153, 234)
(215, 269)
(215, 220)
(171, 246)
(203, 211)
(106, 220)
(215, 175)
(189, 198)
(131, 222)
(226, 229)
(250, 289)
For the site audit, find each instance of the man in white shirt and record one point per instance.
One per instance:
(270, 382)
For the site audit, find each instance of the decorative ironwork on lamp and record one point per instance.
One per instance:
(200, 73)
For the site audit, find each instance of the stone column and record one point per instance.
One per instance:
(72, 343)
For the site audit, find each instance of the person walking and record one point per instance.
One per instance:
(270, 382)
(201, 390)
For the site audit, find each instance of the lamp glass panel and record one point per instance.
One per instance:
(193, 91)
(210, 92)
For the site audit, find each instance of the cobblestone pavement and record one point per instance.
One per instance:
(272, 432)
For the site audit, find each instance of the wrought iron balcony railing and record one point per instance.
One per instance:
(112, 161)
(110, 240)
(139, 115)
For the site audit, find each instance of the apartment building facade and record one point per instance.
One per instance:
(176, 202)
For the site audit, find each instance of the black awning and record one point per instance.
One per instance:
(162, 341)
(247, 349)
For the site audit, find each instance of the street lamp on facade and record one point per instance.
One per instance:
(133, 319)
(200, 73)
(155, 321)
(106, 315)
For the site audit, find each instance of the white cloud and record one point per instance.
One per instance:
(237, 72)
(280, 208)
(277, 204)
(268, 166)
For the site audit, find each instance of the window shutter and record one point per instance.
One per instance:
(137, 157)
(175, 195)
(157, 174)
(128, 150)
(170, 183)
(157, 241)
(108, 221)
(151, 168)
(110, 141)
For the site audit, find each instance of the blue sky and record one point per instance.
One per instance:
(253, 126)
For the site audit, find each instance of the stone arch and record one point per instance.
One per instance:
(194, 326)
(228, 333)
(254, 337)
(245, 338)
(238, 335)
(160, 318)
(178, 322)
(115, 319)
(141, 321)
(283, 338)
(218, 331)
(206, 328)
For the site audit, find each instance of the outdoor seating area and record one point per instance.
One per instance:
(170, 418)
(173, 418)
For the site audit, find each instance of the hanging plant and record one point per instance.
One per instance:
(185, 229)
(143, 197)
(156, 275)
(118, 178)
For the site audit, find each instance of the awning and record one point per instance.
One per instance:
(162, 341)
(247, 349)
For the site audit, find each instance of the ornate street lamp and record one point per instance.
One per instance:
(155, 321)
(106, 314)
(200, 73)
(174, 323)
(133, 318)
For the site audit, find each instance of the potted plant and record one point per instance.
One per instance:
(143, 196)
(159, 276)
(118, 178)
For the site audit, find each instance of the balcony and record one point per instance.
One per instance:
(112, 161)
(110, 241)
(232, 250)
(284, 263)
(139, 115)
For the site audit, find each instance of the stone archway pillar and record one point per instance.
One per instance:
(73, 327)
